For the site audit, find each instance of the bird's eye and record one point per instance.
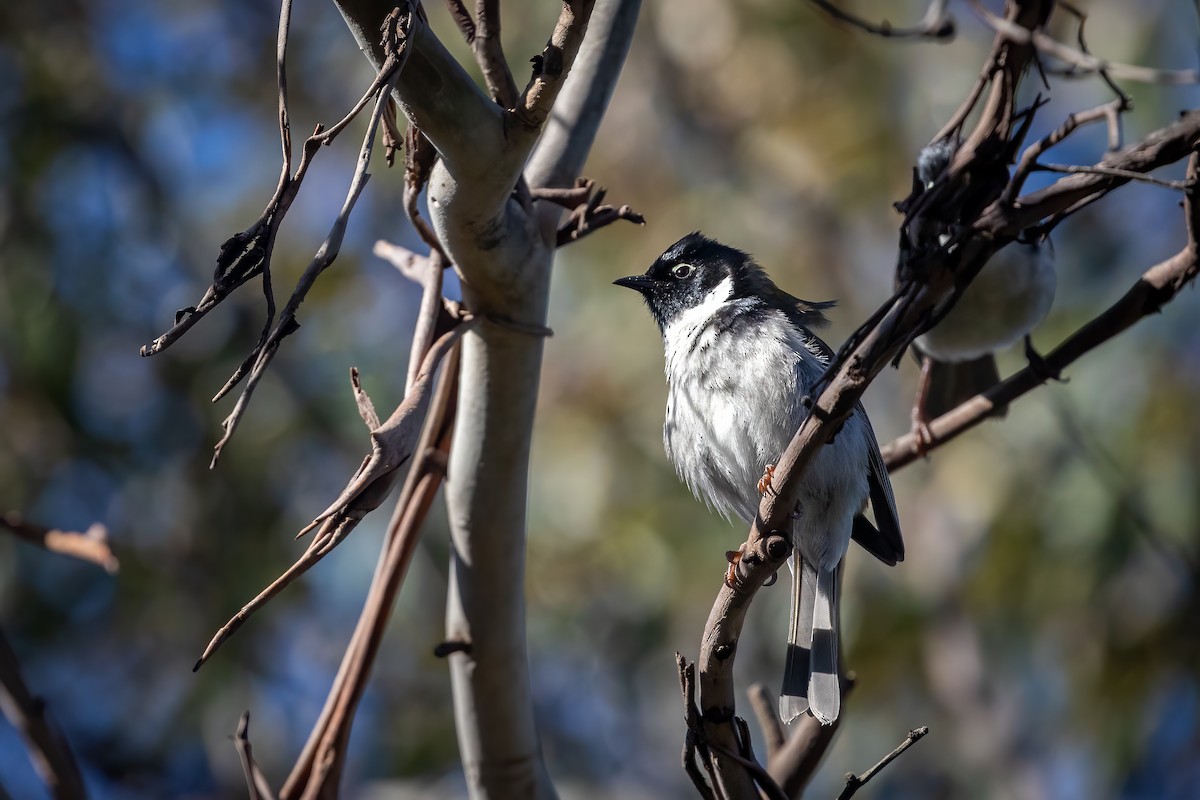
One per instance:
(682, 270)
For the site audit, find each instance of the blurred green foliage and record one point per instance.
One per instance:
(1043, 624)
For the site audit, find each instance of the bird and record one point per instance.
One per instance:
(1010, 296)
(741, 358)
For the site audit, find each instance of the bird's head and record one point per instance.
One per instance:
(695, 271)
(701, 273)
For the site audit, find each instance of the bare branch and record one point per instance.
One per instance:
(856, 782)
(1081, 61)
(490, 54)
(366, 408)
(319, 767)
(764, 705)
(462, 18)
(560, 153)
(91, 545)
(1128, 174)
(588, 212)
(435, 93)
(256, 783)
(937, 23)
(1157, 287)
(392, 444)
(551, 67)
(795, 763)
(48, 748)
(263, 354)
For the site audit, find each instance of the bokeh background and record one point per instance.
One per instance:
(1043, 626)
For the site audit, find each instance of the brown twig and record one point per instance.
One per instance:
(48, 748)
(319, 766)
(585, 200)
(257, 785)
(366, 408)
(91, 545)
(1131, 175)
(856, 782)
(549, 70)
(1029, 158)
(490, 54)
(936, 24)
(262, 355)
(392, 444)
(1082, 62)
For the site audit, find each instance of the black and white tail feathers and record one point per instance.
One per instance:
(810, 679)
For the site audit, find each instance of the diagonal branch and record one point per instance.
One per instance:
(856, 782)
(1147, 297)
(48, 748)
(392, 444)
(318, 769)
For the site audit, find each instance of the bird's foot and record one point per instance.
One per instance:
(922, 434)
(733, 557)
(1039, 365)
(764, 483)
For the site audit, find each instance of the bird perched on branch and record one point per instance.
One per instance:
(1008, 298)
(741, 359)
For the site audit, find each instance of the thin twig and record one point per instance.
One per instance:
(1029, 158)
(856, 782)
(324, 257)
(392, 444)
(49, 750)
(257, 785)
(91, 545)
(936, 24)
(1128, 174)
(320, 764)
(1083, 62)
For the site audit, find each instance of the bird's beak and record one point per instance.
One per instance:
(639, 283)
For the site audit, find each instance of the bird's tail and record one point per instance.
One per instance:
(810, 679)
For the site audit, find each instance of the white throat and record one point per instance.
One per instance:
(679, 334)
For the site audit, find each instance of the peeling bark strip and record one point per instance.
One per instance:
(982, 206)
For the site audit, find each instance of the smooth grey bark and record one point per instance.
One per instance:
(504, 255)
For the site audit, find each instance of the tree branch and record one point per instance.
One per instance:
(1157, 287)
(91, 545)
(48, 748)
(856, 782)
(936, 24)
(561, 152)
(318, 770)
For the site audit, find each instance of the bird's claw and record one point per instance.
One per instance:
(764, 483)
(733, 557)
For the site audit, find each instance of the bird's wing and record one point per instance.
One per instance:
(883, 539)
